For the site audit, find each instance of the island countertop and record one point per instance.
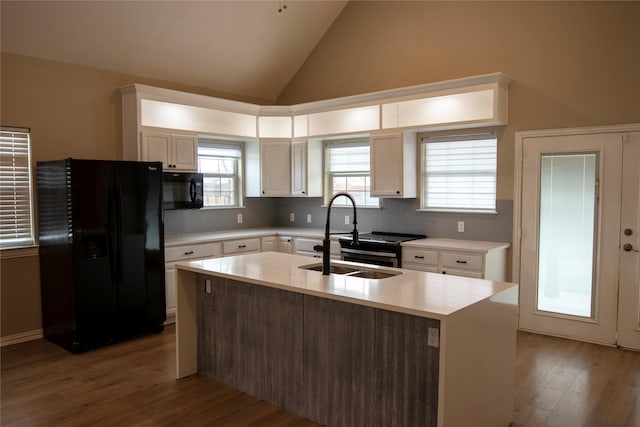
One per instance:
(423, 294)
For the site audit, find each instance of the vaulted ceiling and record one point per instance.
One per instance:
(248, 48)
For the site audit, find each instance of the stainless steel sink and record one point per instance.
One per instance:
(373, 274)
(353, 270)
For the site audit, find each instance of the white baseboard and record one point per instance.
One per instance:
(171, 317)
(21, 337)
(37, 333)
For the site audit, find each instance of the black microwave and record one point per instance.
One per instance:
(182, 190)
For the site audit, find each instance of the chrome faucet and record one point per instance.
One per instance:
(326, 243)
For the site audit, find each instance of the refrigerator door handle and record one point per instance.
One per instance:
(119, 216)
(111, 224)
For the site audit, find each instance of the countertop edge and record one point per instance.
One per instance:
(192, 266)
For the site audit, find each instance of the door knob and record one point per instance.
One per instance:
(628, 247)
(628, 232)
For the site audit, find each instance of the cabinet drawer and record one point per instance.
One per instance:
(239, 246)
(306, 245)
(420, 267)
(462, 261)
(202, 250)
(419, 256)
(465, 273)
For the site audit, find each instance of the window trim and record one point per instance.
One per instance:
(26, 242)
(449, 137)
(240, 166)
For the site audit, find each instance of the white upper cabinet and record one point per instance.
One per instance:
(176, 152)
(184, 152)
(275, 166)
(393, 165)
(299, 169)
(462, 103)
(306, 168)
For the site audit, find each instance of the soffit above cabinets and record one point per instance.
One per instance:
(469, 102)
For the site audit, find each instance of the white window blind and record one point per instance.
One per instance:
(220, 165)
(459, 173)
(348, 157)
(16, 216)
(347, 165)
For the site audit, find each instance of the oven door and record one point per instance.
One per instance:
(383, 258)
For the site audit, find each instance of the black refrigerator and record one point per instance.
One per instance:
(101, 251)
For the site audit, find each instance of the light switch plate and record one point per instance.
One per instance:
(239, 218)
(308, 218)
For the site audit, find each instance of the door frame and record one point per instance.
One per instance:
(520, 137)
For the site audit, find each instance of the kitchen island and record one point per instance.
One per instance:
(412, 349)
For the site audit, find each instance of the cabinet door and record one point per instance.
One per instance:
(170, 288)
(393, 165)
(299, 169)
(269, 244)
(285, 244)
(156, 148)
(275, 161)
(386, 165)
(184, 150)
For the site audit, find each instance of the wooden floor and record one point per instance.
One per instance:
(558, 383)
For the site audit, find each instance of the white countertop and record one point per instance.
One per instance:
(413, 292)
(212, 236)
(454, 244)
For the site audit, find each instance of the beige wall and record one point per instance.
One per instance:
(72, 111)
(572, 63)
(20, 295)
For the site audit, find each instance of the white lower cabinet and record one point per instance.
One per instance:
(173, 254)
(241, 246)
(195, 251)
(480, 260)
(306, 246)
(269, 244)
(285, 244)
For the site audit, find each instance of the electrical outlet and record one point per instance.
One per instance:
(292, 217)
(460, 226)
(433, 338)
(308, 218)
(346, 219)
(239, 218)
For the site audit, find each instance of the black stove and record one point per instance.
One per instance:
(377, 247)
(389, 238)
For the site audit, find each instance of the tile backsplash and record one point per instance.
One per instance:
(395, 215)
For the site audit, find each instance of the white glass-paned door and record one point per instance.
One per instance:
(568, 189)
(570, 225)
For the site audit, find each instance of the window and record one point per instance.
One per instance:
(16, 212)
(459, 173)
(347, 169)
(221, 164)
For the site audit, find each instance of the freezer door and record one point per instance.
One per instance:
(94, 249)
